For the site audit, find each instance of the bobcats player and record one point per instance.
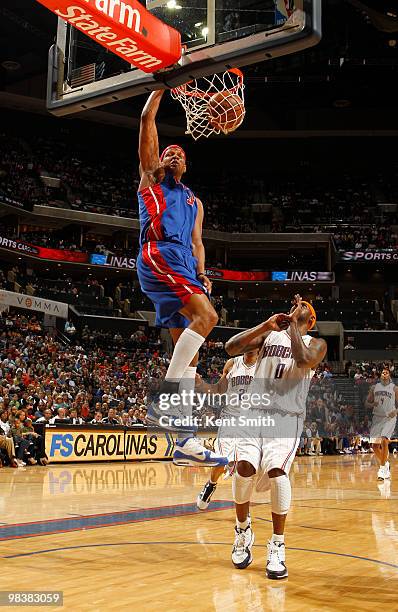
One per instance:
(285, 366)
(237, 375)
(171, 271)
(383, 398)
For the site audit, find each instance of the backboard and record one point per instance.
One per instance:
(216, 35)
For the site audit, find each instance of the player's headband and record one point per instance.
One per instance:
(313, 313)
(174, 146)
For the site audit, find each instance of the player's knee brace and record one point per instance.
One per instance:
(281, 494)
(242, 487)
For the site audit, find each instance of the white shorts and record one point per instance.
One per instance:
(382, 427)
(226, 446)
(262, 448)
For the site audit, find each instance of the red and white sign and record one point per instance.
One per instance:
(42, 252)
(234, 275)
(125, 28)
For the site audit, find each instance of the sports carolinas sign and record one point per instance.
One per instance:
(123, 27)
(369, 256)
(42, 252)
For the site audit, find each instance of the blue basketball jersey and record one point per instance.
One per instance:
(167, 213)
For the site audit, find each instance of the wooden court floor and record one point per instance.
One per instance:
(119, 536)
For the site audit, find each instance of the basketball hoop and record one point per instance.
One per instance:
(212, 104)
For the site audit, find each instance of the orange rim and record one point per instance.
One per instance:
(203, 94)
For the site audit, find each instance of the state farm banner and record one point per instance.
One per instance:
(376, 255)
(123, 27)
(33, 302)
(43, 252)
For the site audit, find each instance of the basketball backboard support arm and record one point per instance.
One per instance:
(301, 30)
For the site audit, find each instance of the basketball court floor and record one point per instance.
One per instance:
(116, 536)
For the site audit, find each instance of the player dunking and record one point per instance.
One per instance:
(383, 398)
(237, 375)
(285, 366)
(171, 271)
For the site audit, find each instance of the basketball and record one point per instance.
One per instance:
(226, 111)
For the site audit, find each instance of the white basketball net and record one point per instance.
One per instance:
(194, 98)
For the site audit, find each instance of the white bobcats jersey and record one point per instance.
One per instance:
(384, 399)
(239, 378)
(277, 374)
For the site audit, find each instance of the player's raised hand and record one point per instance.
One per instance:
(296, 309)
(278, 322)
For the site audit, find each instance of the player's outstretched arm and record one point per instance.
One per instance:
(148, 148)
(253, 338)
(220, 386)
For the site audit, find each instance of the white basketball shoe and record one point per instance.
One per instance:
(276, 561)
(204, 497)
(242, 549)
(381, 473)
(191, 452)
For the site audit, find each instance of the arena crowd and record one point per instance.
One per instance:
(85, 182)
(100, 377)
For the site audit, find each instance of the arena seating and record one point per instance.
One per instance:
(87, 182)
(113, 297)
(354, 314)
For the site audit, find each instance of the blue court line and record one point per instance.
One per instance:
(173, 543)
(51, 526)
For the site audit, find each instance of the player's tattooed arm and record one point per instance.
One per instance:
(253, 338)
(220, 386)
(306, 356)
(148, 149)
(198, 249)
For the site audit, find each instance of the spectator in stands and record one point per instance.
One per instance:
(316, 440)
(74, 419)
(5, 426)
(7, 446)
(60, 417)
(97, 420)
(46, 418)
(23, 445)
(38, 442)
(125, 419)
(111, 418)
(70, 329)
